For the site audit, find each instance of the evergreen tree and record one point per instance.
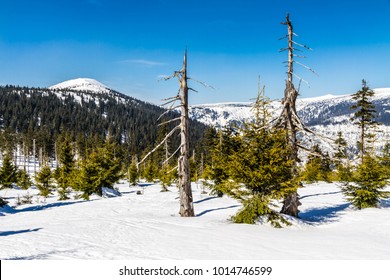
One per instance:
(364, 117)
(225, 144)
(133, 172)
(261, 169)
(318, 166)
(44, 180)
(194, 168)
(101, 170)
(24, 180)
(341, 143)
(63, 172)
(149, 172)
(166, 176)
(263, 166)
(343, 167)
(369, 182)
(385, 158)
(8, 172)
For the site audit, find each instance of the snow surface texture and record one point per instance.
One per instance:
(148, 226)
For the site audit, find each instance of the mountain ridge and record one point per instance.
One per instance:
(89, 114)
(327, 115)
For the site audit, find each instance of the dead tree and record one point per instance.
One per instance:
(186, 201)
(184, 180)
(289, 118)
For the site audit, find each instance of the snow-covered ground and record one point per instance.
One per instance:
(148, 227)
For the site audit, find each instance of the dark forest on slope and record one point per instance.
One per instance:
(86, 118)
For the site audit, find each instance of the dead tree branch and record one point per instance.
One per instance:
(159, 145)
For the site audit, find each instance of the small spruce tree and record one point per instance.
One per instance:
(101, 170)
(318, 166)
(364, 117)
(63, 173)
(261, 174)
(343, 167)
(261, 169)
(166, 176)
(385, 159)
(133, 172)
(369, 183)
(224, 145)
(8, 172)
(24, 180)
(44, 181)
(149, 171)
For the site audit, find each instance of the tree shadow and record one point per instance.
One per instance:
(215, 209)
(385, 203)
(205, 199)
(42, 256)
(128, 192)
(318, 194)
(142, 185)
(47, 206)
(13, 232)
(324, 214)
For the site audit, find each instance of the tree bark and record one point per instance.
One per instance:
(291, 201)
(186, 200)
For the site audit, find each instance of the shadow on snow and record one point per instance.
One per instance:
(47, 206)
(142, 185)
(205, 199)
(318, 194)
(216, 209)
(13, 232)
(323, 214)
(42, 256)
(385, 203)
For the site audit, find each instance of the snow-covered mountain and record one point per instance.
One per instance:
(83, 84)
(86, 89)
(326, 114)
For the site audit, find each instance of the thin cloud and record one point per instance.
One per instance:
(144, 62)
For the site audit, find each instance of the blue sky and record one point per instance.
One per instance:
(128, 45)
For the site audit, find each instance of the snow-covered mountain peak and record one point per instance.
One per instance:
(82, 84)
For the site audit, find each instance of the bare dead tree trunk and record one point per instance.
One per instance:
(186, 201)
(291, 201)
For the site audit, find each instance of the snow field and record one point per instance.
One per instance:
(148, 227)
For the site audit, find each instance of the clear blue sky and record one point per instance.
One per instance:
(129, 44)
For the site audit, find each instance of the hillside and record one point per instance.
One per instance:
(326, 114)
(86, 110)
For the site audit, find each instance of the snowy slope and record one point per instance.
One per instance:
(326, 114)
(87, 90)
(83, 84)
(148, 227)
(328, 108)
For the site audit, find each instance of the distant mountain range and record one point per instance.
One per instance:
(326, 114)
(88, 107)
(85, 109)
